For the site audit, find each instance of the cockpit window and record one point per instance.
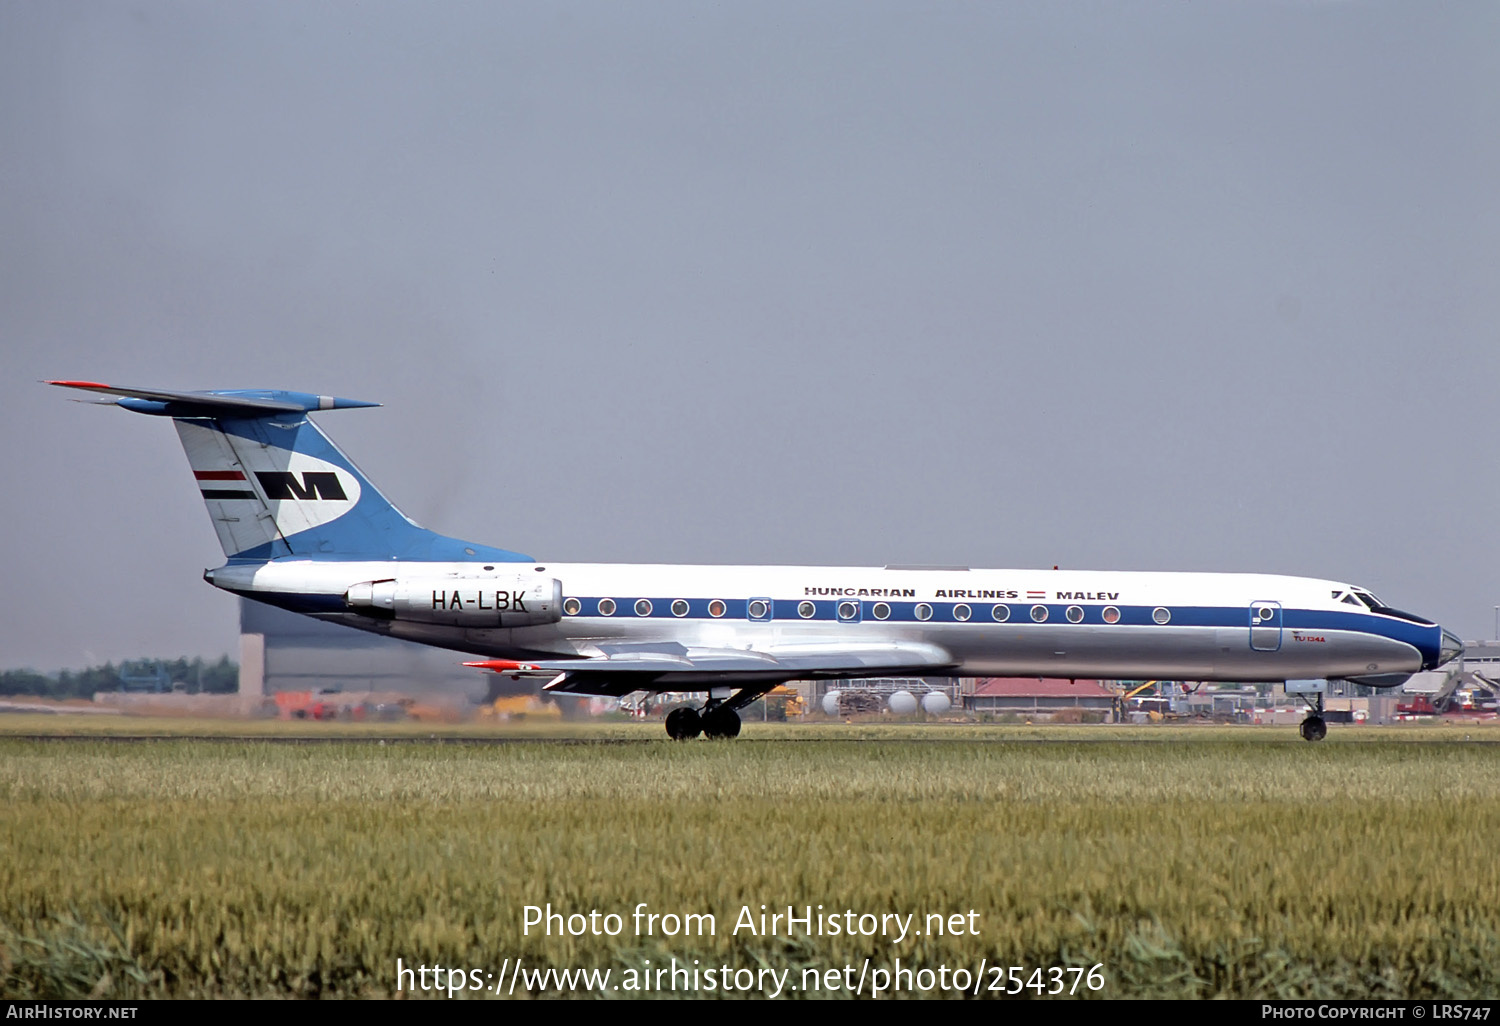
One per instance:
(1351, 600)
(1377, 606)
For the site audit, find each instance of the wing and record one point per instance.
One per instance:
(669, 666)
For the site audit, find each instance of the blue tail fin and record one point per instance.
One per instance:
(275, 485)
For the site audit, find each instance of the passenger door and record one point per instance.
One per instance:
(1265, 626)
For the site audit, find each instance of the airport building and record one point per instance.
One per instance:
(1037, 696)
(286, 652)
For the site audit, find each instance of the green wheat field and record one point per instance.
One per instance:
(1183, 862)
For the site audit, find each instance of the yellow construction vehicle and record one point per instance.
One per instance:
(1122, 699)
(783, 703)
(520, 707)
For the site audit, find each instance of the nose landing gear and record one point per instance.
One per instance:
(1314, 728)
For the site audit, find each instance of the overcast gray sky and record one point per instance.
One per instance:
(1136, 286)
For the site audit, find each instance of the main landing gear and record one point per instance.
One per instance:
(717, 719)
(1314, 728)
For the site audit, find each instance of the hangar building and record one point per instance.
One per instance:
(1037, 696)
(282, 651)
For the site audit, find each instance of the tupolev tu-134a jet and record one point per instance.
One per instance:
(303, 529)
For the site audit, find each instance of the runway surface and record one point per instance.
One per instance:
(375, 739)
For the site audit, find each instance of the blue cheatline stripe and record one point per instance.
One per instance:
(296, 602)
(787, 610)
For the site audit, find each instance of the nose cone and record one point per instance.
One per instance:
(1450, 649)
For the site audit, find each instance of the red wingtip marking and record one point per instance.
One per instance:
(500, 665)
(79, 384)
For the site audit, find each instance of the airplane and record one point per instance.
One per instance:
(303, 529)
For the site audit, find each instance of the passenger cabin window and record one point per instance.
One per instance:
(880, 611)
(606, 607)
(716, 608)
(643, 607)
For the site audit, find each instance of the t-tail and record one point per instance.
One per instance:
(275, 485)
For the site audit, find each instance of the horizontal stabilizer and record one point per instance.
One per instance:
(274, 484)
(243, 402)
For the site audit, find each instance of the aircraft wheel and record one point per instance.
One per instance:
(683, 724)
(1314, 729)
(723, 723)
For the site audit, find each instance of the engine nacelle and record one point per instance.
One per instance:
(461, 601)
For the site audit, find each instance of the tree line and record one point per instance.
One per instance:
(192, 675)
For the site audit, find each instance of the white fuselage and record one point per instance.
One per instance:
(1056, 623)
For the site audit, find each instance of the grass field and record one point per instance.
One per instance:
(1185, 862)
